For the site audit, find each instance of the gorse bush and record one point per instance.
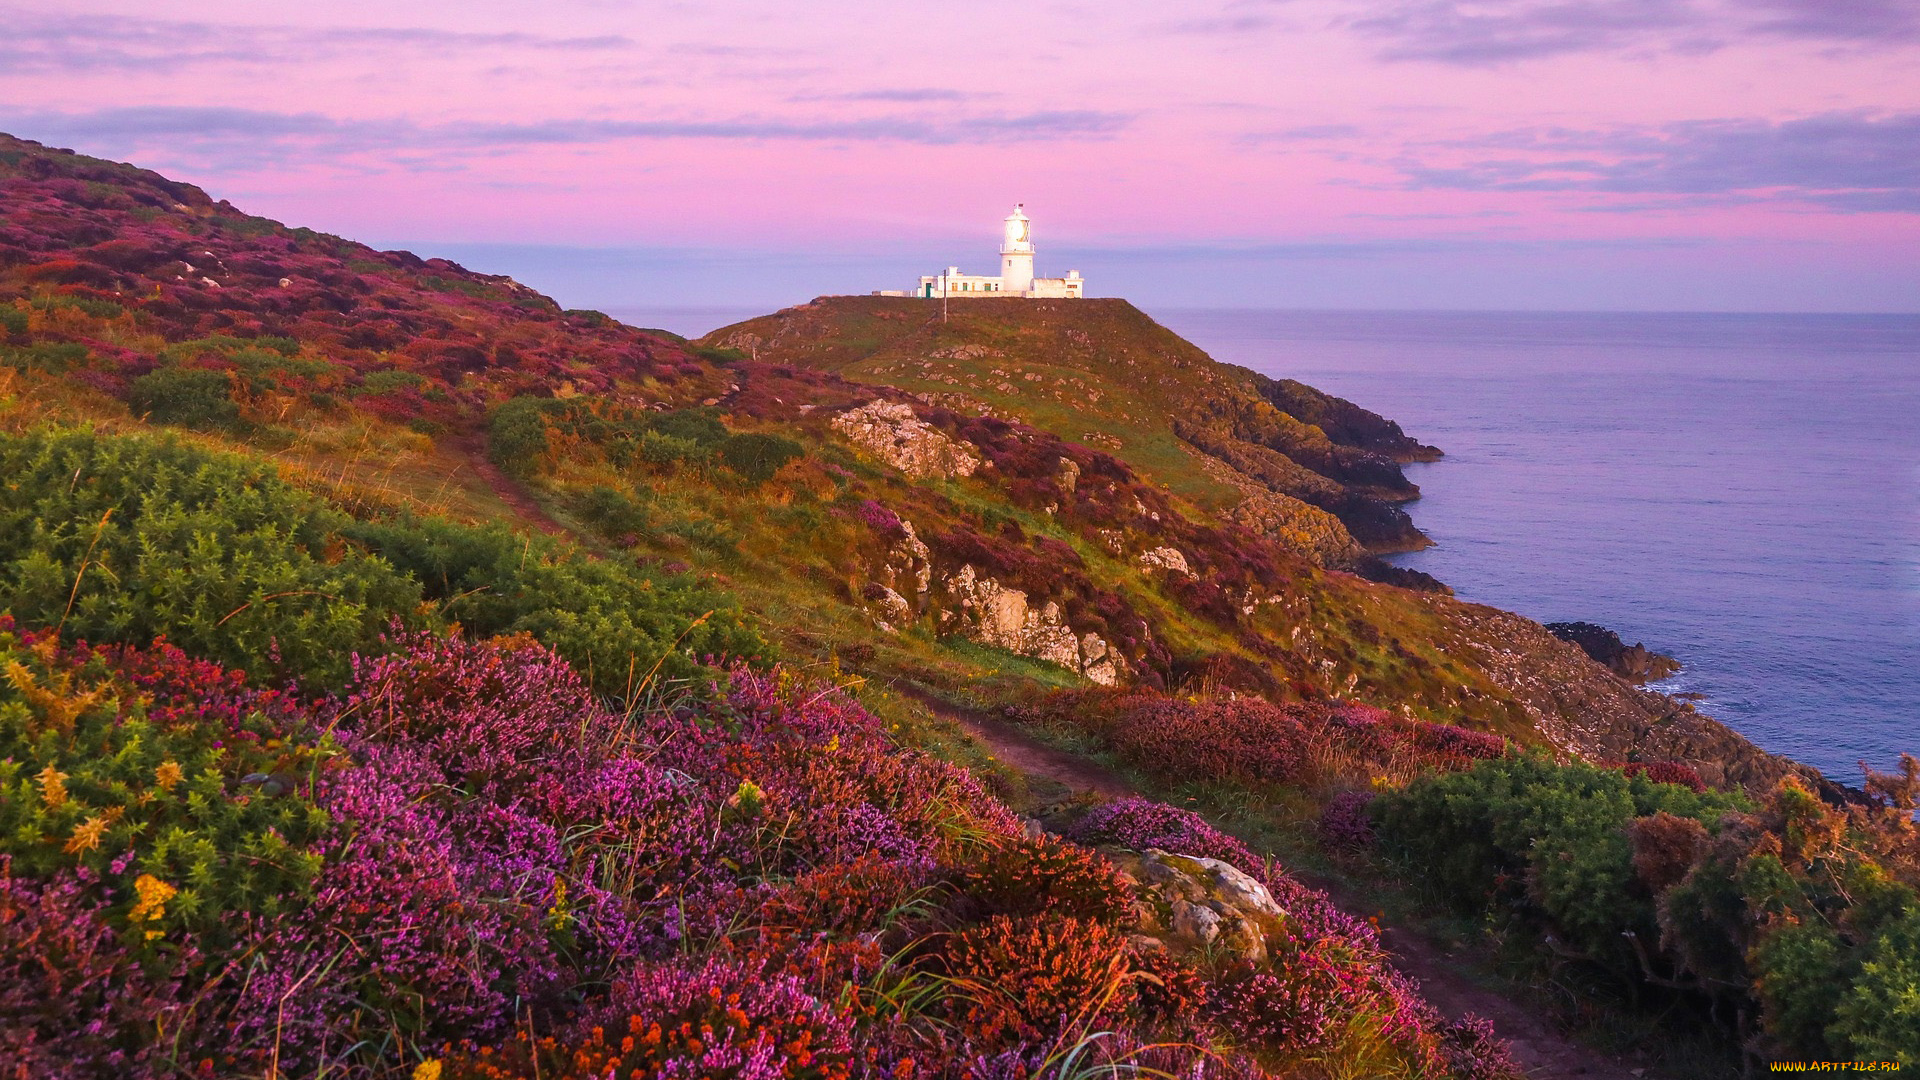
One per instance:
(528, 435)
(189, 397)
(757, 457)
(149, 766)
(1807, 911)
(123, 538)
(615, 620)
(1557, 832)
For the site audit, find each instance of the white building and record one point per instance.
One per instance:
(1016, 271)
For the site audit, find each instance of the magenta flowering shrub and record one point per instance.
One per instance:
(1239, 739)
(1667, 772)
(491, 716)
(1448, 741)
(73, 999)
(884, 522)
(503, 874)
(1141, 823)
(1472, 1051)
(1250, 742)
(1344, 821)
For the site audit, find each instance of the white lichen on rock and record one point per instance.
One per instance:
(1165, 558)
(892, 432)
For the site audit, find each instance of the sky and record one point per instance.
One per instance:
(1726, 155)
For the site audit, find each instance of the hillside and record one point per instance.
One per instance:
(1083, 495)
(403, 673)
(1102, 373)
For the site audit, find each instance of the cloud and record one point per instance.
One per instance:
(226, 138)
(1478, 33)
(909, 95)
(1307, 133)
(1863, 21)
(1845, 162)
(1223, 24)
(40, 42)
(1507, 30)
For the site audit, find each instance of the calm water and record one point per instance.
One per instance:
(1740, 491)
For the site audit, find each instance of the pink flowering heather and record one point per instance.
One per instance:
(1446, 740)
(1344, 821)
(73, 1000)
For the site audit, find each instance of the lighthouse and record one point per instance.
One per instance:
(1016, 253)
(1016, 272)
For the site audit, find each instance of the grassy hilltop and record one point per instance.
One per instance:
(1103, 373)
(405, 676)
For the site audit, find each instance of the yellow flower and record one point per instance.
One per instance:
(53, 787)
(167, 775)
(86, 836)
(154, 895)
(427, 1070)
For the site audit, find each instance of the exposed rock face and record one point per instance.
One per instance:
(1165, 558)
(893, 433)
(986, 611)
(1068, 474)
(1601, 717)
(1299, 526)
(1185, 902)
(910, 561)
(1634, 663)
(894, 609)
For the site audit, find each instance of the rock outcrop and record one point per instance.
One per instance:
(986, 611)
(1635, 663)
(1299, 526)
(1165, 558)
(892, 432)
(1188, 903)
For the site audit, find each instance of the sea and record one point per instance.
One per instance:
(1739, 491)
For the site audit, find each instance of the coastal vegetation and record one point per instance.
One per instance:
(405, 676)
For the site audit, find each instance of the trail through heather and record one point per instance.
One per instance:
(507, 488)
(1544, 1052)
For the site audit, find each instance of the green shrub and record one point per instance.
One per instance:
(189, 397)
(223, 557)
(1879, 1017)
(613, 513)
(1797, 970)
(383, 382)
(662, 450)
(1560, 829)
(13, 322)
(99, 309)
(606, 617)
(517, 434)
(757, 457)
(213, 551)
(94, 764)
(53, 356)
(701, 427)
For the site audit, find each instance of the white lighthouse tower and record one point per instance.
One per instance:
(1016, 253)
(1016, 272)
